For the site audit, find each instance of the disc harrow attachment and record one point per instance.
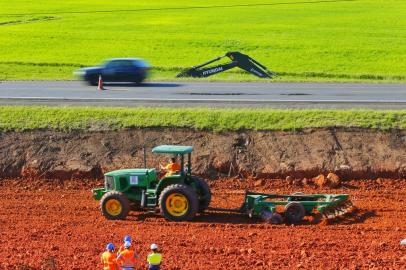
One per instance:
(296, 206)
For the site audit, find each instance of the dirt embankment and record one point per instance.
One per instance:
(349, 152)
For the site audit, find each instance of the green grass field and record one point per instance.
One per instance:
(27, 118)
(362, 40)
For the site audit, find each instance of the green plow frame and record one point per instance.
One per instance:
(296, 204)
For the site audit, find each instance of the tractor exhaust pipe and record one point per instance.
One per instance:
(144, 151)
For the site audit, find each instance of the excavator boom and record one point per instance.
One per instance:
(238, 59)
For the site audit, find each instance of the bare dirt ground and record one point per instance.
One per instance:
(57, 225)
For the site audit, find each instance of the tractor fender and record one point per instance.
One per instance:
(167, 181)
(203, 190)
(98, 193)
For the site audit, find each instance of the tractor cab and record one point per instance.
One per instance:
(177, 151)
(178, 196)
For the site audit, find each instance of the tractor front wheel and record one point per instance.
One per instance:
(178, 202)
(114, 205)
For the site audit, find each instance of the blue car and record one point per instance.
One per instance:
(130, 70)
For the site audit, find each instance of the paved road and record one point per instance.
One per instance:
(291, 95)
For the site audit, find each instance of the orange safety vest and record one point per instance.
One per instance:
(122, 248)
(109, 261)
(127, 258)
(172, 168)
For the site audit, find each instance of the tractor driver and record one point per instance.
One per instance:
(172, 168)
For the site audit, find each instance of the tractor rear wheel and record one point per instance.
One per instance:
(205, 193)
(114, 205)
(178, 202)
(294, 212)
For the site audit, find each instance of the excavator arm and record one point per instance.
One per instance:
(238, 59)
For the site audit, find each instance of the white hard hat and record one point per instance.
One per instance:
(403, 242)
(154, 246)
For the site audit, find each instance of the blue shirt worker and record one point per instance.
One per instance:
(154, 259)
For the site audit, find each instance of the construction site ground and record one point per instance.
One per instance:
(57, 225)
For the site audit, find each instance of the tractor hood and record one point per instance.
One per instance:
(130, 172)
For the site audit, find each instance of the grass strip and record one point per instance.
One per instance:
(309, 40)
(84, 118)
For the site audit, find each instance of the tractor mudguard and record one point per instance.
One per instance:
(167, 181)
(98, 193)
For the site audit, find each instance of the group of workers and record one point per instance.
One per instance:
(126, 258)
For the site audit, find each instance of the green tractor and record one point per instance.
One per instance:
(179, 196)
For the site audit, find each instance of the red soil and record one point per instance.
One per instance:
(57, 225)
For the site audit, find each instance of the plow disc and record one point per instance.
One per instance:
(336, 210)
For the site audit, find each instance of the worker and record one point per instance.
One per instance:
(108, 258)
(154, 259)
(127, 258)
(172, 168)
(121, 248)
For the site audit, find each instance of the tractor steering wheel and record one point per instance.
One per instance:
(161, 172)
